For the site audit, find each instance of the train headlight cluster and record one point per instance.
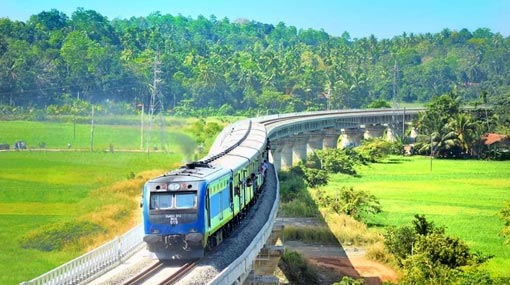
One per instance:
(173, 186)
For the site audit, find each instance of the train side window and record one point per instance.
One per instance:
(185, 200)
(160, 201)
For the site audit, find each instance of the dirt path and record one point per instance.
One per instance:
(337, 261)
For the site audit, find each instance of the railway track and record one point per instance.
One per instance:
(162, 273)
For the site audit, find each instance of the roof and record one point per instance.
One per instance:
(494, 138)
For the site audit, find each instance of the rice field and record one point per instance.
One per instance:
(463, 196)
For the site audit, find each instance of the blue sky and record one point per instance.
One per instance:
(360, 18)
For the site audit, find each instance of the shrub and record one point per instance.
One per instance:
(374, 150)
(448, 251)
(318, 234)
(349, 281)
(297, 269)
(400, 241)
(291, 184)
(315, 177)
(357, 204)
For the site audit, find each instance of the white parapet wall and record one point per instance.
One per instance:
(238, 270)
(93, 263)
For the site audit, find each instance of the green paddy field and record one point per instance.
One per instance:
(462, 195)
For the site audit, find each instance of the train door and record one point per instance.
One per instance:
(208, 208)
(221, 203)
(234, 190)
(243, 186)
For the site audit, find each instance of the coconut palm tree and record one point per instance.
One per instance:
(465, 129)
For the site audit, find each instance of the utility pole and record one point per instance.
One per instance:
(394, 99)
(141, 126)
(395, 70)
(155, 102)
(92, 130)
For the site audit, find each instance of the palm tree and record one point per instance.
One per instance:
(465, 129)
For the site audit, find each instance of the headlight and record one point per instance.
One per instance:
(173, 186)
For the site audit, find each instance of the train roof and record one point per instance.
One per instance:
(236, 134)
(193, 172)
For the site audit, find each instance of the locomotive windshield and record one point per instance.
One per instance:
(169, 200)
(161, 201)
(186, 200)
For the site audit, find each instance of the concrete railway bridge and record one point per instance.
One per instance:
(292, 137)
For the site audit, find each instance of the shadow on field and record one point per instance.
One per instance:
(313, 254)
(394, 161)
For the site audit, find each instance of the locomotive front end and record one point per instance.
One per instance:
(173, 222)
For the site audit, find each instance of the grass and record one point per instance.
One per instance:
(59, 134)
(462, 195)
(82, 198)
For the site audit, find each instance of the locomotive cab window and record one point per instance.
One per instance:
(169, 200)
(161, 201)
(185, 200)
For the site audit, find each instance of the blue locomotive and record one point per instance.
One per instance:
(191, 209)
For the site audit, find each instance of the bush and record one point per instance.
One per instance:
(315, 177)
(357, 204)
(373, 150)
(349, 281)
(302, 206)
(333, 161)
(448, 251)
(318, 234)
(291, 184)
(400, 241)
(297, 269)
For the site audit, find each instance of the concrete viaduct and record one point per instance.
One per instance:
(291, 137)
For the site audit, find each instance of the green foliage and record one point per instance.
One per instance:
(424, 227)
(349, 281)
(295, 200)
(317, 234)
(301, 206)
(297, 269)
(58, 236)
(204, 133)
(291, 183)
(420, 270)
(334, 161)
(355, 203)
(504, 215)
(256, 68)
(450, 132)
(315, 177)
(428, 256)
(379, 103)
(444, 250)
(400, 241)
(374, 150)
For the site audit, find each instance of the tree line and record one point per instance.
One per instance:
(208, 66)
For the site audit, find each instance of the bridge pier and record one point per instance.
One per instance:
(351, 137)
(330, 139)
(276, 153)
(264, 266)
(314, 143)
(390, 135)
(299, 149)
(373, 131)
(286, 154)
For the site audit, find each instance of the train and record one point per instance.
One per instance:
(190, 210)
